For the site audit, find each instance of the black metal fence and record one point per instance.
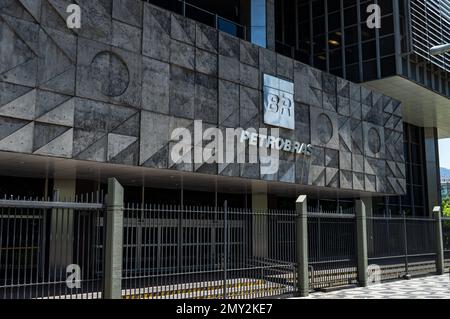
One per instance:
(195, 252)
(332, 249)
(402, 245)
(446, 240)
(51, 249)
(55, 249)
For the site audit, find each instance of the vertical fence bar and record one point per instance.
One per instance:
(361, 239)
(225, 248)
(302, 246)
(405, 242)
(114, 241)
(440, 265)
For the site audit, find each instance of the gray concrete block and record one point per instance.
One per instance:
(155, 85)
(229, 69)
(206, 38)
(316, 175)
(329, 83)
(343, 88)
(331, 158)
(97, 20)
(343, 105)
(229, 46)
(285, 67)
(182, 55)
(324, 129)
(206, 62)
(126, 37)
(182, 92)
(250, 170)
(156, 33)
(206, 107)
(332, 177)
(45, 133)
(286, 172)
(182, 29)
(249, 76)
(267, 61)
(108, 74)
(228, 104)
(345, 160)
(250, 109)
(128, 11)
(157, 126)
(346, 179)
(249, 53)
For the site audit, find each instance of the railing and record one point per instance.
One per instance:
(402, 245)
(332, 249)
(51, 249)
(201, 15)
(192, 252)
(446, 240)
(58, 249)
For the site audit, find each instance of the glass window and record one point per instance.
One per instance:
(387, 25)
(318, 8)
(370, 70)
(350, 16)
(351, 35)
(334, 21)
(369, 50)
(388, 66)
(352, 72)
(387, 46)
(351, 54)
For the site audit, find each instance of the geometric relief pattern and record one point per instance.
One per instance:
(115, 90)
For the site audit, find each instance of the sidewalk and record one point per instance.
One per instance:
(434, 287)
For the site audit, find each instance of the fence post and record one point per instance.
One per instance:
(440, 266)
(361, 239)
(114, 241)
(301, 208)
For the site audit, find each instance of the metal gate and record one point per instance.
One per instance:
(198, 252)
(332, 249)
(51, 249)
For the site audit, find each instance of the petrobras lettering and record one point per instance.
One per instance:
(276, 143)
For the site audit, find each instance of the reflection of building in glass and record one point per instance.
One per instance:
(445, 188)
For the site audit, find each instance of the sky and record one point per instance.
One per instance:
(444, 153)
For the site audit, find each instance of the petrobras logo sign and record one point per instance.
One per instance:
(279, 107)
(275, 143)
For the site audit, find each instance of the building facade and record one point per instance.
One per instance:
(78, 106)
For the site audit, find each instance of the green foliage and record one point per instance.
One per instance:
(446, 207)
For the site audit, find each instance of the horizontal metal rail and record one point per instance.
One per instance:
(332, 216)
(49, 205)
(401, 218)
(402, 256)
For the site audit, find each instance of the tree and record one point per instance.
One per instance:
(446, 207)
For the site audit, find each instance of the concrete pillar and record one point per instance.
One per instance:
(61, 229)
(260, 220)
(361, 238)
(368, 203)
(301, 208)
(440, 265)
(432, 166)
(114, 240)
